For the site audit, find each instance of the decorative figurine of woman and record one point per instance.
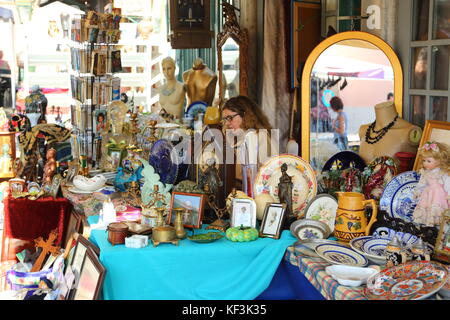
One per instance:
(433, 188)
(285, 187)
(172, 93)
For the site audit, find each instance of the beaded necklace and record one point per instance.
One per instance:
(167, 92)
(378, 133)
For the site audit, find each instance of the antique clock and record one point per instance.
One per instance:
(190, 24)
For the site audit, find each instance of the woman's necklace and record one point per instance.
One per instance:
(378, 133)
(167, 92)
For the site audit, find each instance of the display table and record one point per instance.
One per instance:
(313, 268)
(221, 270)
(26, 220)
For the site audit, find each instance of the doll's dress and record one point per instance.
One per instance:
(433, 190)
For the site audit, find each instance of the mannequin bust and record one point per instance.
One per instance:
(388, 135)
(172, 94)
(200, 83)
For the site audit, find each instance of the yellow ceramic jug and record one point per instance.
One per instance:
(351, 221)
(212, 115)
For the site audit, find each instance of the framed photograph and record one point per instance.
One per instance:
(100, 121)
(91, 278)
(194, 202)
(243, 213)
(434, 130)
(117, 156)
(8, 154)
(442, 246)
(272, 221)
(73, 226)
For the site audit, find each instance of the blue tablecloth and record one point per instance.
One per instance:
(221, 270)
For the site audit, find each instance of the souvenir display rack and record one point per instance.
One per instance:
(94, 61)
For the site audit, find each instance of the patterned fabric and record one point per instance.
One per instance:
(313, 268)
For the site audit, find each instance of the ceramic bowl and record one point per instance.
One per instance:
(309, 229)
(374, 250)
(357, 245)
(350, 276)
(89, 184)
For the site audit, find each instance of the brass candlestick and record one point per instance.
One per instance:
(179, 227)
(160, 220)
(218, 224)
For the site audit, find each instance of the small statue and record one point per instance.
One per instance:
(29, 172)
(285, 187)
(211, 177)
(50, 166)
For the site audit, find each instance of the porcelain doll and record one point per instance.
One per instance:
(433, 189)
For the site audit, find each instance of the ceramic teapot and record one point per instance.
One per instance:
(351, 221)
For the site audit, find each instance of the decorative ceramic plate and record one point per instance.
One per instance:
(357, 243)
(344, 160)
(195, 108)
(339, 254)
(397, 198)
(308, 247)
(206, 237)
(377, 175)
(376, 247)
(164, 160)
(303, 178)
(322, 208)
(407, 239)
(414, 280)
(307, 229)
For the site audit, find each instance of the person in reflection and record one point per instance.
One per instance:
(390, 96)
(340, 124)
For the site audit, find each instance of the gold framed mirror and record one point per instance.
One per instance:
(361, 69)
(232, 55)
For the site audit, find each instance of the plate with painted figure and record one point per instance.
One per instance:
(303, 178)
(407, 239)
(344, 160)
(397, 199)
(377, 175)
(413, 280)
(339, 254)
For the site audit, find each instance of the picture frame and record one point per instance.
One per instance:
(442, 246)
(192, 201)
(117, 156)
(100, 119)
(72, 171)
(434, 130)
(273, 219)
(55, 185)
(7, 155)
(243, 213)
(73, 226)
(91, 278)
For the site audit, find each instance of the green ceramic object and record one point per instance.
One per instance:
(242, 234)
(151, 178)
(206, 237)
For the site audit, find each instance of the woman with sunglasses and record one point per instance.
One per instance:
(243, 119)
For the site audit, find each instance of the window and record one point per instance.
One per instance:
(426, 53)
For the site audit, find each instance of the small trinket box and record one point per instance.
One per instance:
(117, 232)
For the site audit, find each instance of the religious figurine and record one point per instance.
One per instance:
(433, 188)
(200, 83)
(172, 94)
(45, 287)
(29, 172)
(211, 177)
(285, 187)
(50, 166)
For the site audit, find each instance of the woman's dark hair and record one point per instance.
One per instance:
(252, 115)
(390, 95)
(336, 104)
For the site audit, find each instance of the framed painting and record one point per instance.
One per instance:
(442, 246)
(434, 130)
(193, 203)
(272, 222)
(91, 278)
(8, 154)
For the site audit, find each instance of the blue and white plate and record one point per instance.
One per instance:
(406, 239)
(357, 243)
(164, 159)
(397, 198)
(194, 109)
(339, 254)
(376, 247)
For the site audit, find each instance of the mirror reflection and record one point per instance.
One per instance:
(230, 60)
(348, 79)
